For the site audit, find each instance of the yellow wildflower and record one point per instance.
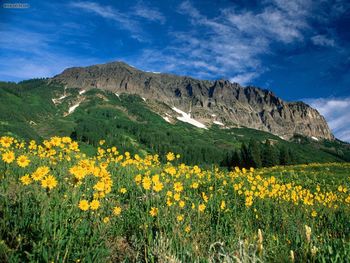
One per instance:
(26, 180)
(123, 190)
(6, 141)
(146, 183)
(49, 182)
(180, 218)
(223, 205)
(178, 187)
(170, 156)
(182, 204)
(201, 207)
(8, 157)
(158, 186)
(154, 211)
(94, 204)
(138, 179)
(84, 205)
(194, 185)
(117, 210)
(23, 161)
(177, 197)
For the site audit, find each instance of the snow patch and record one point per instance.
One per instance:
(143, 99)
(213, 115)
(314, 138)
(82, 91)
(72, 109)
(117, 95)
(218, 123)
(179, 111)
(58, 100)
(186, 117)
(167, 119)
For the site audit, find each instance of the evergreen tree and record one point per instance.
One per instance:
(284, 156)
(254, 152)
(292, 157)
(236, 160)
(245, 156)
(269, 156)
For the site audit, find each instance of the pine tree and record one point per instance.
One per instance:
(270, 156)
(284, 156)
(235, 160)
(245, 156)
(292, 157)
(254, 154)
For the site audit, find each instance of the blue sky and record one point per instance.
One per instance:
(298, 49)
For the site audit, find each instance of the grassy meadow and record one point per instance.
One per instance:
(59, 205)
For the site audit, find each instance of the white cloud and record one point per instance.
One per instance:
(230, 45)
(124, 20)
(321, 40)
(245, 78)
(272, 24)
(337, 113)
(149, 13)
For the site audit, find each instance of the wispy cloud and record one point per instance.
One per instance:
(149, 13)
(108, 12)
(231, 44)
(244, 78)
(279, 21)
(337, 113)
(126, 19)
(322, 40)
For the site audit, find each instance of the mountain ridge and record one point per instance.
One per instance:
(231, 103)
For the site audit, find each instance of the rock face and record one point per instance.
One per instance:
(230, 103)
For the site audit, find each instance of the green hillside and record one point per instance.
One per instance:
(27, 111)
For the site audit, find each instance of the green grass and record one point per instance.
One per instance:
(328, 176)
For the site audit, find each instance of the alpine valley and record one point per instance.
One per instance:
(206, 122)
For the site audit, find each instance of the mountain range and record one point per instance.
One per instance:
(206, 101)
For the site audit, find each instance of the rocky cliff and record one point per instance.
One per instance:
(226, 102)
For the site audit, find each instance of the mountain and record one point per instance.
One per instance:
(41, 108)
(203, 101)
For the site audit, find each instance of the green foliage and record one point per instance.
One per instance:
(270, 155)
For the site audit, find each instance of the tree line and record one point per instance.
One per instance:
(256, 154)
